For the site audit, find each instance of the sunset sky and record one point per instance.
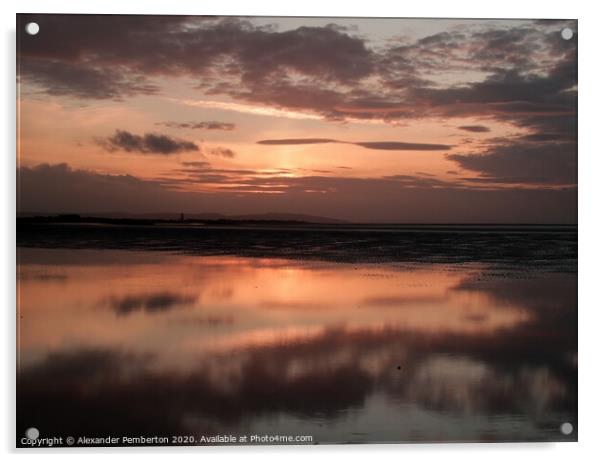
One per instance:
(366, 120)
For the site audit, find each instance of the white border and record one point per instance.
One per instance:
(590, 226)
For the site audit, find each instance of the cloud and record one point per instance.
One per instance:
(399, 146)
(523, 162)
(523, 74)
(188, 46)
(378, 145)
(209, 125)
(474, 128)
(325, 70)
(221, 151)
(92, 82)
(150, 143)
(200, 187)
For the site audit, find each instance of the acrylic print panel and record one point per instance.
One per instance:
(268, 230)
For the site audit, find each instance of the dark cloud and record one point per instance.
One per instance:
(164, 46)
(196, 164)
(474, 128)
(553, 22)
(150, 143)
(209, 125)
(221, 151)
(508, 92)
(399, 146)
(507, 47)
(378, 145)
(80, 59)
(150, 303)
(545, 137)
(523, 162)
(420, 181)
(95, 82)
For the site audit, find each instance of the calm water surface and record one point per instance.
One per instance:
(115, 342)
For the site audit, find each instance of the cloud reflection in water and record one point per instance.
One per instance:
(334, 350)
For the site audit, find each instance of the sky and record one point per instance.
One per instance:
(364, 120)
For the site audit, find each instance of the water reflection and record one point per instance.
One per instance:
(153, 302)
(151, 343)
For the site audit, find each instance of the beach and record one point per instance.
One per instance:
(361, 334)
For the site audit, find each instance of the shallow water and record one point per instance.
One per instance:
(115, 342)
